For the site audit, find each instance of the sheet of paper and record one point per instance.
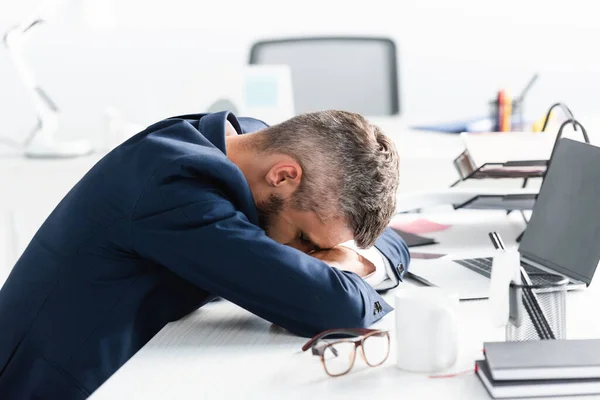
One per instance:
(508, 146)
(453, 196)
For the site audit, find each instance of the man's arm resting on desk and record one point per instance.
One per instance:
(214, 246)
(348, 259)
(389, 258)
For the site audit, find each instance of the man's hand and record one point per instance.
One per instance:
(345, 259)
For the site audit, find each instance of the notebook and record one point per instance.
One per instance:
(544, 359)
(413, 240)
(534, 388)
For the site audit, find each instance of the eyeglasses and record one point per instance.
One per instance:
(338, 356)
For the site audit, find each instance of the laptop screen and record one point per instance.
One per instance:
(564, 231)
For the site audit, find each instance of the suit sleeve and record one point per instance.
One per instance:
(211, 244)
(393, 247)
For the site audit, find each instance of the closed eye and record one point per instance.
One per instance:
(304, 239)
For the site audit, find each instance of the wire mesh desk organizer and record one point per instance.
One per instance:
(537, 305)
(523, 169)
(542, 302)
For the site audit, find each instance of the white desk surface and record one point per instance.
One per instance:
(222, 351)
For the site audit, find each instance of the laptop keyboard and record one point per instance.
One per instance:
(483, 266)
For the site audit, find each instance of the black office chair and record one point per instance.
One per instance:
(356, 74)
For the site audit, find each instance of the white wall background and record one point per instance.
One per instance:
(162, 55)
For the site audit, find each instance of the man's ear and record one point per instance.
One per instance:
(284, 177)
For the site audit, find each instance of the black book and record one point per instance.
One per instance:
(534, 388)
(413, 240)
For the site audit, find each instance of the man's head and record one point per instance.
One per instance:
(320, 179)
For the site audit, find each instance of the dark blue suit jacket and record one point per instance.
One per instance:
(157, 228)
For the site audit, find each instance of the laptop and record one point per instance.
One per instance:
(561, 238)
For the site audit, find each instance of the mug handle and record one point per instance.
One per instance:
(446, 326)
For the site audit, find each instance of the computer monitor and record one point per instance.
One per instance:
(564, 230)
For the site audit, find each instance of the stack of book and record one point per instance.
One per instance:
(540, 368)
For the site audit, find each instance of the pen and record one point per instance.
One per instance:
(500, 241)
(500, 111)
(539, 313)
(527, 87)
(507, 113)
(495, 242)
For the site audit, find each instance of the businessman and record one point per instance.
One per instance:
(193, 208)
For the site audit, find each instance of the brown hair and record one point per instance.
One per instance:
(350, 168)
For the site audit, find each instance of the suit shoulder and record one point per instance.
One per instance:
(250, 125)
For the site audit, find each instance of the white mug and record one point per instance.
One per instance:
(426, 329)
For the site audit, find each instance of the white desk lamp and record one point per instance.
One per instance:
(40, 143)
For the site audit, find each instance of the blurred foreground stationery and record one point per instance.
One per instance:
(544, 359)
(541, 368)
(535, 388)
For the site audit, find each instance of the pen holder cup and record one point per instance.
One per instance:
(551, 293)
